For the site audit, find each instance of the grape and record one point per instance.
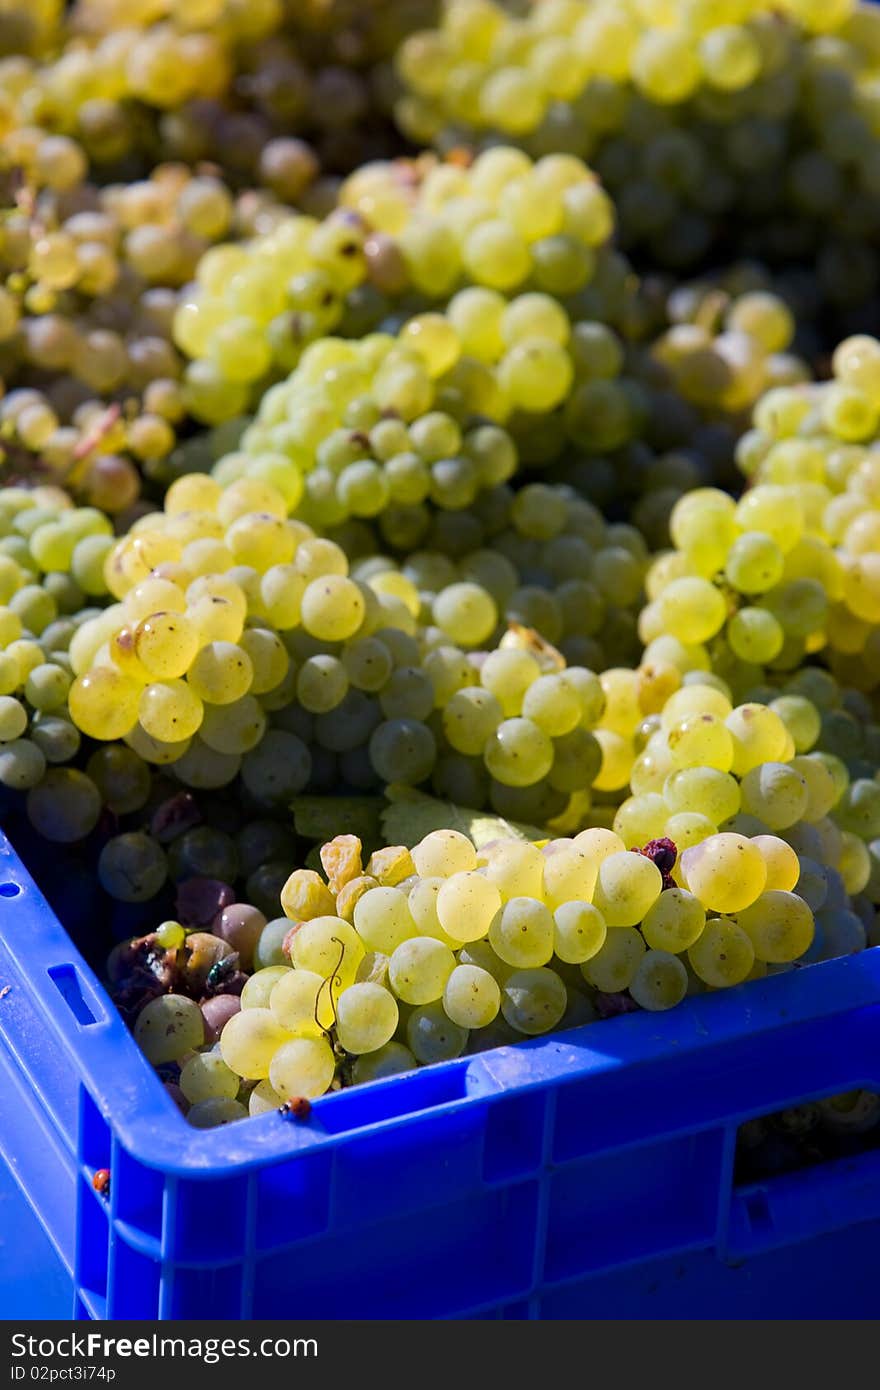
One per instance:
(674, 923)
(22, 765)
(443, 853)
(329, 947)
(723, 954)
(383, 920)
(216, 1110)
(467, 905)
(250, 1041)
(300, 1067)
(660, 982)
(168, 1027)
(775, 793)
(419, 969)
(516, 868)
(432, 1036)
(471, 997)
(390, 1060)
(533, 1001)
(579, 932)
(522, 933)
(627, 887)
(207, 1077)
(518, 753)
(65, 806)
(726, 872)
(367, 1018)
(779, 925)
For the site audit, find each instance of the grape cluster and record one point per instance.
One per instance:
(240, 646)
(341, 480)
(720, 129)
(418, 956)
(399, 230)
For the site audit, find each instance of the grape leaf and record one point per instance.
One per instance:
(319, 818)
(410, 815)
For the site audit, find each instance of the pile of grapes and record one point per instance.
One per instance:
(440, 519)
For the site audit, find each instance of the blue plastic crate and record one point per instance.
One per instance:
(582, 1175)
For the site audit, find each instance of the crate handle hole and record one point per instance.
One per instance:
(9, 890)
(73, 989)
(758, 1210)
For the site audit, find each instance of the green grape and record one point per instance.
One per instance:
(467, 905)
(207, 1077)
(302, 1002)
(470, 718)
(168, 711)
(299, 1067)
(432, 1036)
(776, 794)
(367, 1018)
(419, 969)
(57, 739)
(708, 790)
(269, 950)
(65, 806)
(257, 990)
(522, 933)
(758, 736)
(508, 673)
(675, 922)
(755, 636)
(220, 673)
(132, 867)
(553, 703)
(402, 750)
(465, 613)
(321, 684)
(22, 765)
(660, 982)
(471, 997)
(723, 955)
(517, 870)
(330, 947)
(627, 887)
(46, 687)
(383, 920)
(368, 663)
(579, 932)
(168, 1027)
(104, 704)
(443, 853)
(390, 1060)
(332, 608)
(569, 875)
(216, 1110)
(726, 873)
(783, 865)
(779, 925)
(701, 740)
(693, 610)
(234, 729)
(518, 753)
(533, 1001)
(13, 719)
(166, 644)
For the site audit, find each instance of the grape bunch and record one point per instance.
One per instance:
(398, 230)
(719, 129)
(418, 956)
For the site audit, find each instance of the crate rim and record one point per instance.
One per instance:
(150, 1127)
